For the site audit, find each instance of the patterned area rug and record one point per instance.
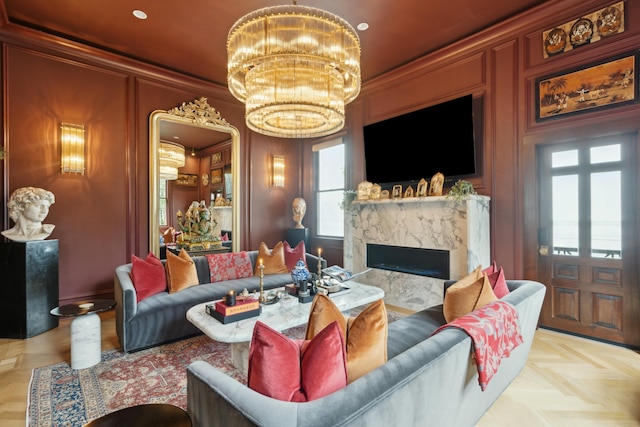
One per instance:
(61, 396)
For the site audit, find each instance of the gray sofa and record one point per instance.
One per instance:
(427, 380)
(162, 317)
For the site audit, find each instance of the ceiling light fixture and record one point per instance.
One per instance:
(295, 68)
(140, 14)
(171, 157)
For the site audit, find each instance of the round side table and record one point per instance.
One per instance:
(145, 415)
(86, 339)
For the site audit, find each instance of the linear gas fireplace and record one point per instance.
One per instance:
(413, 245)
(418, 261)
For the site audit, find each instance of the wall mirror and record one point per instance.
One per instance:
(201, 124)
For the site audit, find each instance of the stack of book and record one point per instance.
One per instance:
(244, 309)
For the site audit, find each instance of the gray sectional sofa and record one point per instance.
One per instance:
(427, 380)
(162, 317)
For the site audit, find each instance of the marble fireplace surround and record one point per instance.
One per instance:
(460, 227)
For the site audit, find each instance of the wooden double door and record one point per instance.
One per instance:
(588, 238)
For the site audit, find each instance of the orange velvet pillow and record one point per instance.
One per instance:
(365, 334)
(273, 260)
(296, 370)
(467, 294)
(181, 271)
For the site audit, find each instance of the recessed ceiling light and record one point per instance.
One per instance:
(139, 14)
(362, 26)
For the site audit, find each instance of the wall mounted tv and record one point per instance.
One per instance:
(439, 138)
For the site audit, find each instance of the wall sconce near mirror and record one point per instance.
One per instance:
(171, 156)
(72, 143)
(278, 171)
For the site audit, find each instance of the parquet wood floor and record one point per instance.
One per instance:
(568, 381)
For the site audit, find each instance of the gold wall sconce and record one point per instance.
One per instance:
(278, 170)
(72, 142)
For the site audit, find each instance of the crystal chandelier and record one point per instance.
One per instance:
(171, 157)
(295, 68)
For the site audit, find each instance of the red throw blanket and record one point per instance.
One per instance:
(495, 331)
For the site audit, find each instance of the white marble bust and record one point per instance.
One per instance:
(28, 207)
(299, 208)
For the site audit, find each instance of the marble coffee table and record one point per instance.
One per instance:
(277, 316)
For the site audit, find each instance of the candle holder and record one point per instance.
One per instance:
(230, 298)
(262, 297)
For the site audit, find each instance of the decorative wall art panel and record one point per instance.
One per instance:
(187, 180)
(584, 31)
(596, 86)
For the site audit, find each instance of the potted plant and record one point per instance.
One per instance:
(461, 189)
(349, 196)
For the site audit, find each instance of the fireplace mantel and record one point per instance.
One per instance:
(458, 226)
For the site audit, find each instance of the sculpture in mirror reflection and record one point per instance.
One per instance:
(197, 228)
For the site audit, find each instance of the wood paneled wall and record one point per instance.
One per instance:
(101, 218)
(500, 66)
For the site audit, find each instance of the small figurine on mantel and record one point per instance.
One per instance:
(28, 207)
(299, 208)
(437, 181)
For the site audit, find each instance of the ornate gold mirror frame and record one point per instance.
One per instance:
(196, 113)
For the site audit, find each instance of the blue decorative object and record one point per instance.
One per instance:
(300, 273)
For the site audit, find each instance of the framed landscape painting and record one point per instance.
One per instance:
(601, 85)
(216, 176)
(187, 180)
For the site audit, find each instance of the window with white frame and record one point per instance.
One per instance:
(330, 187)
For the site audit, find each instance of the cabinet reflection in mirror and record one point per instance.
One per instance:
(194, 156)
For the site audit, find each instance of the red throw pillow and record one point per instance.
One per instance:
(297, 370)
(497, 280)
(292, 255)
(498, 283)
(148, 276)
(491, 269)
(229, 266)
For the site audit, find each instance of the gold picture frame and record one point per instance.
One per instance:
(599, 85)
(187, 180)
(583, 31)
(216, 158)
(216, 176)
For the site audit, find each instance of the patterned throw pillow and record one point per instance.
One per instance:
(365, 334)
(148, 276)
(273, 260)
(181, 271)
(229, 266)
(467, 294)
(296, 370)
(292, 255)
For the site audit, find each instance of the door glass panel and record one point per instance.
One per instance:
(565, 214)
(605, 154)
(561, 159)
(606, 215)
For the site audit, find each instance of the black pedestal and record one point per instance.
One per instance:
(296, 235)
(29, 290)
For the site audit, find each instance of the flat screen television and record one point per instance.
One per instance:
(406, 148)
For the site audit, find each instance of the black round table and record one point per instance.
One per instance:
(147, 415)
(86, 339)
